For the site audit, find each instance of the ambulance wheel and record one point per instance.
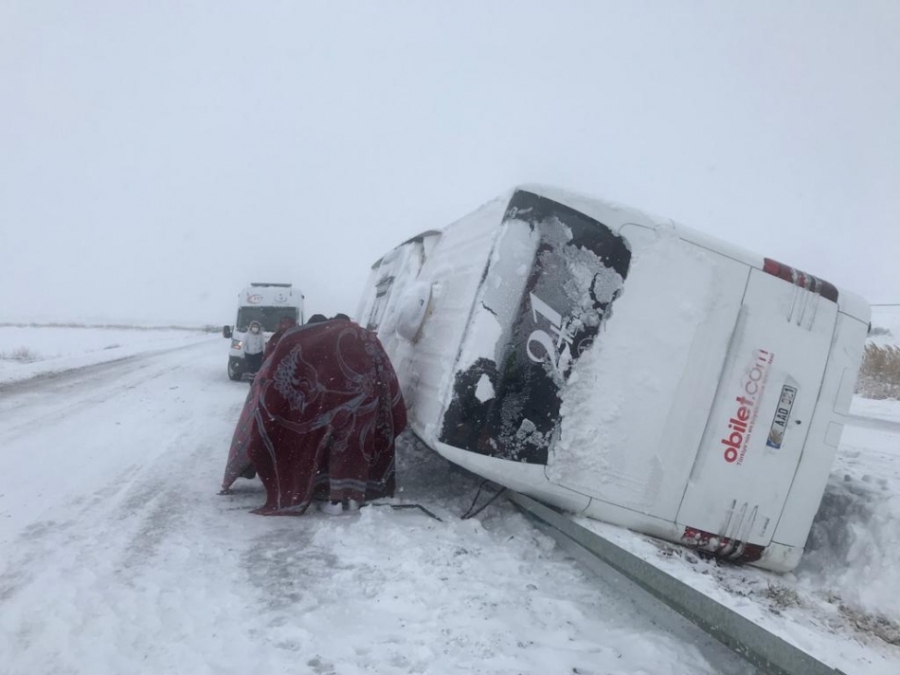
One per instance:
(235, 369)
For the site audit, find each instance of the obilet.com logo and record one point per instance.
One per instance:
(744, 419)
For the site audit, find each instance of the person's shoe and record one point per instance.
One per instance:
(351, 506)
(331, 508)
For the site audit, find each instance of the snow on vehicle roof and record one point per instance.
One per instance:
(412, 240)
(615, 216)
(610, 213)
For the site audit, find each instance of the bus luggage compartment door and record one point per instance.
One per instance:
(759, 421)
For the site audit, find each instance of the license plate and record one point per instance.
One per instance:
(782, 415)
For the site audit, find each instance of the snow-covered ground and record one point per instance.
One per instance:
(117, 555)
(29, 351)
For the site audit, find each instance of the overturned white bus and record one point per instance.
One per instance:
(623, 367)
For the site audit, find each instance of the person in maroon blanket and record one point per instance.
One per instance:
(320, 421)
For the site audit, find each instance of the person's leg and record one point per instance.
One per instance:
(347, 464)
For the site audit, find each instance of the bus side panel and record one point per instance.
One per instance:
(762, 415)
(695, 395)
(455, 270)
(825, 430)
(635, 417)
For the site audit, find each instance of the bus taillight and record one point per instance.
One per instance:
(722, 547)
(801, 279)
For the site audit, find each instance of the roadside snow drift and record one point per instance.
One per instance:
(29, 351)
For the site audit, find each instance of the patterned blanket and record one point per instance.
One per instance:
(320, 420)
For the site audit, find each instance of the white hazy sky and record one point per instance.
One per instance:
(156, 156)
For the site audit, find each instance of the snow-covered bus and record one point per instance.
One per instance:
(624, 367)
(267, 303)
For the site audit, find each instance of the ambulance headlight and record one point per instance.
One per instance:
(236, 344)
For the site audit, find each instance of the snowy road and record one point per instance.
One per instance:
(117, 556)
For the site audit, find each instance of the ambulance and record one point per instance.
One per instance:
(267, 303)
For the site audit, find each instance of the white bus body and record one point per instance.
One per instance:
(267, 303)
(623, 367)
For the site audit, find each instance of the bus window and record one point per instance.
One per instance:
(508, 406)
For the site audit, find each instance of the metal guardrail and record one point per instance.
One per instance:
(763, 649)
(872, 423)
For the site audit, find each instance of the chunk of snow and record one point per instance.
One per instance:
(484, 390)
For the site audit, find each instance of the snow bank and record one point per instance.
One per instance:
(29, 351)
(854, 546)
(840, 603)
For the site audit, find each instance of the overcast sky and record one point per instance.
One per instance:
(155, 156)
